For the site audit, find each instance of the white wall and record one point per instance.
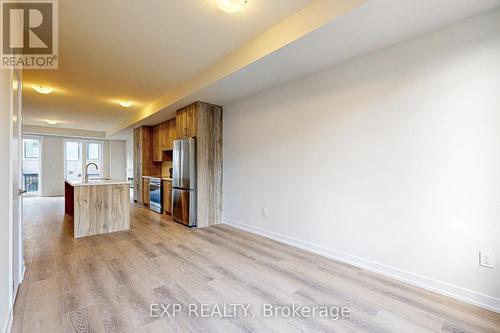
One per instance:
(390, 161)
(106, 163)
(52, 178)
(5, 195)
(118, 160)
(63, 132)
(130, 155)
(53, 163)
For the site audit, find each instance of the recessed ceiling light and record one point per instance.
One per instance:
(43, 89)
(231, 6)
(126, 104)
(52, 122)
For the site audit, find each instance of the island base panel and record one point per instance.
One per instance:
(101, 210)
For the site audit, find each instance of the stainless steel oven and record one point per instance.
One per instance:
(155, 195)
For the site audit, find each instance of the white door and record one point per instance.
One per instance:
(17, 201)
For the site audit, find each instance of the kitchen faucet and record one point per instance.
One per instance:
(86, 176)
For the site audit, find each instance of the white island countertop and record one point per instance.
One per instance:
(97, 182)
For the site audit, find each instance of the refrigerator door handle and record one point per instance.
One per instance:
(176, 179)
(192, 163)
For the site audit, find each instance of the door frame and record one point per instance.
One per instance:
(16, 263)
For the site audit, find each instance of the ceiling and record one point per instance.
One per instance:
(137, 50)
(179, 71)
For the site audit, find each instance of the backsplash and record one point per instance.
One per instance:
(165, 166)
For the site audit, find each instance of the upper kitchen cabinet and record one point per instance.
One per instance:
(186, 121)
(143, 159)
(159, 134)
(172, 134)
(157, 148)
(163, 136)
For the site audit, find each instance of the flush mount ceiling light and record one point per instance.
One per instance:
(52, 122)
(126, 104)
(43, 89)
(231, 6)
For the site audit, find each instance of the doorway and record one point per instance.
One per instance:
(31, 165)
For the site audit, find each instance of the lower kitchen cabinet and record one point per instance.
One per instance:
(145, 191)
(167, 196)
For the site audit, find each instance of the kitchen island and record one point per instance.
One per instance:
(98, 206)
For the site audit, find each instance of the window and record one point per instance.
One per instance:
(93, 151)
(73, 151)
(79, 154)
(31, 165)
(31, 148)
(73, 160)
(94, 155)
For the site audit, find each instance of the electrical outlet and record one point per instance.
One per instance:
(264, 212)
(486, 259)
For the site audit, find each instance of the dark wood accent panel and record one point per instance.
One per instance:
(69, 199)
(168, 155)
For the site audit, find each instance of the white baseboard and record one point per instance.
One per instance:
(459, 293)
(52, 195)
(7, 327)
(21, 281)
(10, 316)
(24, 271)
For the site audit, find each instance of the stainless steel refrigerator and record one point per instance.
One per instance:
(184, 182)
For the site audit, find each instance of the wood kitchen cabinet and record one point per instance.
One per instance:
(157, 143)
(167, 196)
(163, 136)
(186, 121)
(145, 191)
(143, 160)
(204, 122)
(172, 134)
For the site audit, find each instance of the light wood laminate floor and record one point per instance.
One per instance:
(107, 283)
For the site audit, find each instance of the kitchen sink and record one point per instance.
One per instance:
(98, 179)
